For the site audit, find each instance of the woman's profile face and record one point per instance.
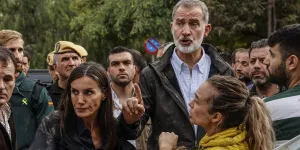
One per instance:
(86, 97)
(199, 114)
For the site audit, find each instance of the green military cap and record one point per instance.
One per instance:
(67, 47)
(50, 58)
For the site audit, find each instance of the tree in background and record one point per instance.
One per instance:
(100, 25)
(42, 23)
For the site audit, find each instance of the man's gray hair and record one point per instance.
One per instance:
(55, 59)
(192, 3)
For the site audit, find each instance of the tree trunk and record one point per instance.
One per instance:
(269, 17)
(274, 16)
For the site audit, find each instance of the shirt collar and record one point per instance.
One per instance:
(57, 89)
(179, 64)
(81, 128)
(115, 97)
(6, 110)
(20, 78)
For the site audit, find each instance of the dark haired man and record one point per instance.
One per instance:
(283, 63)
(26, 62)
(8, 70)
(259, 74)
(121, 70)
(240, 64)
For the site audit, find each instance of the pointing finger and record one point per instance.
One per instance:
(138, 93)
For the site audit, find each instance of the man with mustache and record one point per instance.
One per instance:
(67, 56)
(169, 84)
(121, 70)
(258, 70)
(240, 64)
(30, 101)
(283, 64)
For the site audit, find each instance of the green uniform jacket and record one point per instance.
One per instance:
(30, 103)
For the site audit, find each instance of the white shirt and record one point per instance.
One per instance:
(188, 81)
(118, 110)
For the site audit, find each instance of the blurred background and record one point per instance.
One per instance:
(100, 25)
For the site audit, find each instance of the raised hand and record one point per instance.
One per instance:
(133, 108)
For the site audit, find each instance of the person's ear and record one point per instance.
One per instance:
(292, 62)
(207, 29)
(17, 74)
(55, 67)
(135, 70)
(108, 71)
(216, 117)
(104, 97)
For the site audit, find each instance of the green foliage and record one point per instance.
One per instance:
(100, 25)
(42, 23)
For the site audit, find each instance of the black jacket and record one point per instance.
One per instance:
(5, 142)
(164, 102)
(55, 92)
(50, 137)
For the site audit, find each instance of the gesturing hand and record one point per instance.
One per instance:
(133, 108)
(167, 141)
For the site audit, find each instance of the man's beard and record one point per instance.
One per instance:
(196, 44)
(19, 67)
(244, 78)
(262, 83)
(120, 83)
(279, 76)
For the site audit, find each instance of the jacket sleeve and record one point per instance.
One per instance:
(44, 137)
(45, 106)
(133, 131)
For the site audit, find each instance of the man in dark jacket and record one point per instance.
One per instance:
(169, 84)
(8, 71)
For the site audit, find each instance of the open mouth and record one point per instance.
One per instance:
(257, 74)
(185, 42)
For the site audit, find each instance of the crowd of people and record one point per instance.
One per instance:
(189, 98)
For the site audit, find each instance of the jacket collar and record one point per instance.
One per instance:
(216, 60)
(57, 89)
(20, 79)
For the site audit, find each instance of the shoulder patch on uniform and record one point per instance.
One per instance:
(24, 101)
